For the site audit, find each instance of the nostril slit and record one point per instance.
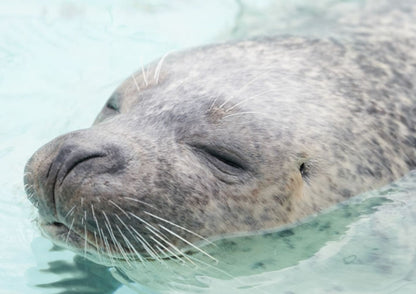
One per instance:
(75, 163)
(57, 224)
(49, 170)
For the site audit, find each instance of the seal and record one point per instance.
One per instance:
(230, 138)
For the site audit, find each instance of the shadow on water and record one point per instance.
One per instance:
(78, 277)
(271, 251)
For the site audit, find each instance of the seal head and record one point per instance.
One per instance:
(230, 138)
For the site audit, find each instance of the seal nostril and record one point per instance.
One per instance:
(305, 170)
(77, 161)
(57, 224)
(302, 169)
(49, 170)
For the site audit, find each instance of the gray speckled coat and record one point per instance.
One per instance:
(235, 137)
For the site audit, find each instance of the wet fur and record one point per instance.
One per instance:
(310, 122)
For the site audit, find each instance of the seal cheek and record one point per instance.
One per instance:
(290, 194)
(295, 186)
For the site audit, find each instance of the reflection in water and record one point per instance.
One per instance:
(365, 245)
(82, 276)
(66, 273)
(250, 255)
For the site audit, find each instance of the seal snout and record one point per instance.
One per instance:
(67, 160)
(56, 171)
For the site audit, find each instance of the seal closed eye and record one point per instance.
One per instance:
(222, 157)
(224, 164)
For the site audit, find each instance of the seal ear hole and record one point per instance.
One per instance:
(304, 170)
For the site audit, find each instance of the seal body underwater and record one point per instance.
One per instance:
(231, 138)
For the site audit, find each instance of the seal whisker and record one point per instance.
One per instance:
(242, 113)
(84, 222)
(70, 229)
(143, 221)
(155, 232)
(98, 247)
(107, 246)
(189, 243)
(146, 245)
(165, 239)
(118, 244)
(213, 104)
(121, 209)
(166, 249)
(176, 249)
(130, 245)
(30, 196)
(144, 75)
(85, 240)
(180, 227)
(245, 100)
(244, 87)
(133, 235)
(96, 222)
(163, 252)
(159, 67)
(142, 202)
(135, 82)
(70, 212)
(113, 237)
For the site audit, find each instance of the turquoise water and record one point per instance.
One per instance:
(60, 60)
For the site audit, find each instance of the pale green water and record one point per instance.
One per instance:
(60, 60)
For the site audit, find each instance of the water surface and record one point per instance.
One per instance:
(60, 60)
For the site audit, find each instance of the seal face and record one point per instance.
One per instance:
(229, 138)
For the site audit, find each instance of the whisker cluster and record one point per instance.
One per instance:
(119, 243)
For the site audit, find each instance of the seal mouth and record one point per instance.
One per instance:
(108, 254)
(67, 237)
(64, 235)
